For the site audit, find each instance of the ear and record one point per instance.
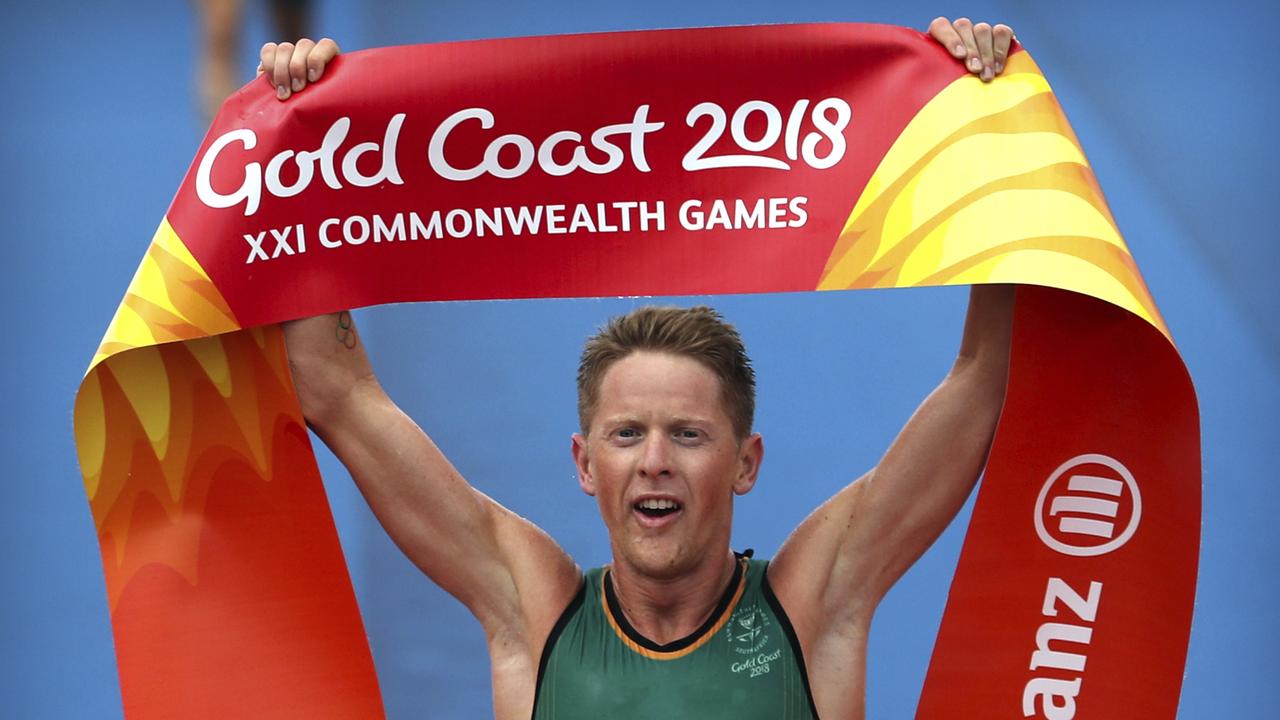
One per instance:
(585, 481)
(750, 455)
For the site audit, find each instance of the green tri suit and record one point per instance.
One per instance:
(744, 663)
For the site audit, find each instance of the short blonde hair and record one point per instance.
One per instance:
(698, 332)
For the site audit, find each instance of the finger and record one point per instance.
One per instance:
(324, 53)
(298, 64)
(947, 37)
(982, 34)
(1001, 39)
(280, 70)
(266, 58)
(965, 29)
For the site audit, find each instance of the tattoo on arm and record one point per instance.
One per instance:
(345, 332)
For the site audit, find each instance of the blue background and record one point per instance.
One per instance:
(1174, 103)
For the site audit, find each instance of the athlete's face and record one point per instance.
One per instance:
(663, 461)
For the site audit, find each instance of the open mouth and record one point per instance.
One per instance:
(655, 508)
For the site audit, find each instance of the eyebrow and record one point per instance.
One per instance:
(674, 422)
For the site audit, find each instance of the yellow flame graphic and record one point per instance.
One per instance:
(988, 184)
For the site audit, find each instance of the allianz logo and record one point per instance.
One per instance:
(1089, 506)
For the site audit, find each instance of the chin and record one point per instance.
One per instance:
(660, 559)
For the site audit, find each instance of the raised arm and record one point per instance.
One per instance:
(509, 573)
(863, 539)
(845, 556)
(834, 569)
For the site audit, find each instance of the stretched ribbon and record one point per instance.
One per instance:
(759, 159)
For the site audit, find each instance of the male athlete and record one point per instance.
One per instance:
(678, 625)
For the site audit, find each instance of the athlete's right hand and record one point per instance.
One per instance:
(289, 67)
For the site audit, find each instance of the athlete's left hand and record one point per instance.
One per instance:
(983, 48)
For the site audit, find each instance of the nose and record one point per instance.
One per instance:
(656, 458)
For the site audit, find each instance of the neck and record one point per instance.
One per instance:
(667, 609)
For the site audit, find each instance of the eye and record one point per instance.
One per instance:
(626, 433)
(688, 434)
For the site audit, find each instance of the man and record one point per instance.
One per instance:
(677, 625)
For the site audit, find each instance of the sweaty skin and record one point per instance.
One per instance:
(660, 434)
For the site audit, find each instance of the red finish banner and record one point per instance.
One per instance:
(740, 160)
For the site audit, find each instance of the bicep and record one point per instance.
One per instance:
(928, 472)
(813, 573)
(501, 566)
